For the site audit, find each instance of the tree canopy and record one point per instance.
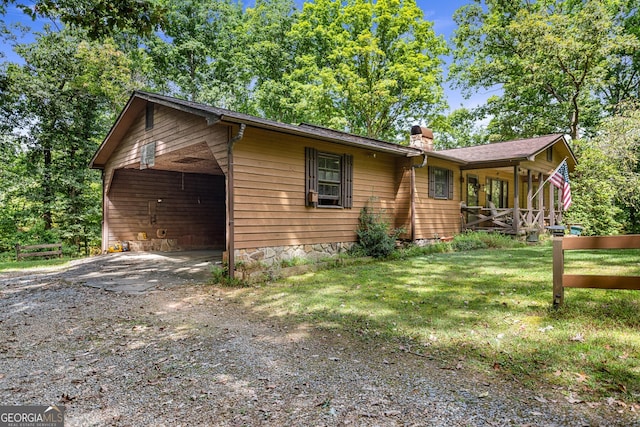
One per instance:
(99, 18)
(550, 59)
(368, 67)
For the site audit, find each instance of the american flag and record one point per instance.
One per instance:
(560, 179)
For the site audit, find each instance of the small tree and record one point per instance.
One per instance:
(375, 236)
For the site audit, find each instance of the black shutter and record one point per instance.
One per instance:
(347, 181)
(149, 111)
(311, 174)
(450, 176)
(432, 183)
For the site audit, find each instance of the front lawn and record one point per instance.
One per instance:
(9, 264)
(488, 310)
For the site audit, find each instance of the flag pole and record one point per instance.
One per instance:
(550, 175)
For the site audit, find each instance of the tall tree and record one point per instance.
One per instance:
(549, 57)
(364, 67)
(265, 34)
(198, 55)
(460, 128)
(623, 76)
(63, 97)
(607, 178)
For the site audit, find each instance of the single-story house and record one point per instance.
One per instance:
(182, 175)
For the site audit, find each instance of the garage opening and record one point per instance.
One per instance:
(159, 210)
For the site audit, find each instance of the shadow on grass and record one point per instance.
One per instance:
(491, 307)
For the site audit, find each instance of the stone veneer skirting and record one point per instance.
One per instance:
(274, 255)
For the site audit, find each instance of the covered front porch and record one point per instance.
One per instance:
(503, 185)
(515, 204)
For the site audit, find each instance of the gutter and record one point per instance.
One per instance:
(413, 194)
(230, 202)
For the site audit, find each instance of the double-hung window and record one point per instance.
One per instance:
(329, 179)
(440, 183)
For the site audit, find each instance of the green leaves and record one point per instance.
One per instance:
(62, 101)
(550, 59)
(99, 18)
(366, 68)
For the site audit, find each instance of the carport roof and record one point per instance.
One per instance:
(215, 115)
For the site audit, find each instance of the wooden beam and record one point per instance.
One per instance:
(558, 272)
(529, 197)
(516, 199)
(600, 281)
(630, 241)
(541, 201)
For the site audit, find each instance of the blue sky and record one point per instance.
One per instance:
(439, 12)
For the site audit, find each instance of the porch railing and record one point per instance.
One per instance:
(502, 219)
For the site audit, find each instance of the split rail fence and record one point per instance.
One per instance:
(562, 280)
(50, 249)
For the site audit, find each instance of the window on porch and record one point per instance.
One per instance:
(498, 192)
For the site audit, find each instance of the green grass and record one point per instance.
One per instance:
(490, 308)
(7, 264)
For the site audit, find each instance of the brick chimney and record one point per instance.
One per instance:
(421, 138)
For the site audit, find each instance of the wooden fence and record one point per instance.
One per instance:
(561, 280)
(51, 249)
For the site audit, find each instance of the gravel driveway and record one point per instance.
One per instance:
(170, 353)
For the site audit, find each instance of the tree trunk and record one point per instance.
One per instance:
(47, 189)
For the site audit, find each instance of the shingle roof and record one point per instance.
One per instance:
(520, 149)
(302, 129)
(516, 150)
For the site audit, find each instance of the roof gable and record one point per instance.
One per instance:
(214, 115)
(508, 151)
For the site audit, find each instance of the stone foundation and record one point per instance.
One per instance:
(270, 256)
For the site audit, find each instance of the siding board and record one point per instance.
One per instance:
(269, 178)
(194, 215)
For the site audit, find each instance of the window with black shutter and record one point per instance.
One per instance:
(329, 179)
(440, 183)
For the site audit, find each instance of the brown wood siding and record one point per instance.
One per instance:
(269, 189)
(192, 209)
(173, 130)
(434, 217)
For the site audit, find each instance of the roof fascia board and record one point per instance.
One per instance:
(110, 133)
(211, 117)
(492, 164)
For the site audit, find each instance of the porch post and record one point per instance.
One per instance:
(541, 201)
(516, 199)
(529, 197)
(552, 211)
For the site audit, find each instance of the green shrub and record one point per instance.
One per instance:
(467, 242)
(375, 237)
(479, 240)
(220, 276)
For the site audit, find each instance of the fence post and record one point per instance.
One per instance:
(558, 271)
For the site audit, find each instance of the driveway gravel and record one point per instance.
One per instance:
(172, 353)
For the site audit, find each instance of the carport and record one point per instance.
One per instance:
(164, 182)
